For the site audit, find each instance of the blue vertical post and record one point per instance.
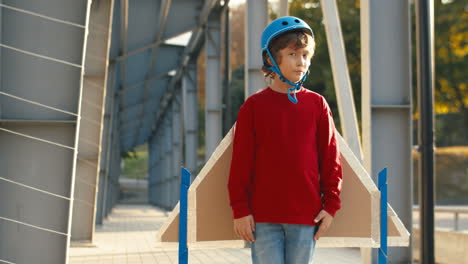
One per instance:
(383, 217)
(184, 186)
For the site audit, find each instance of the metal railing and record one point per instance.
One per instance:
(455, 209)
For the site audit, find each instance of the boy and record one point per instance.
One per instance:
(285, 176)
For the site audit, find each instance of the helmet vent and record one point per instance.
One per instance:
(296, 20)
(284, 23)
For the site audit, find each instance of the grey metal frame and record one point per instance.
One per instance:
(39, 119)
(256, 21)
(106, 145)
(89, 162)
(48, 118)
(283, 8)
(190, 116)
(189, 55)
(387, 105)
(213, 94)
(164, 10)
(174, 186)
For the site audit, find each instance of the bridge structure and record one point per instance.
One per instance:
(83, 82)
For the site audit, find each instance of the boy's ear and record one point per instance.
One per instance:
(268, 59)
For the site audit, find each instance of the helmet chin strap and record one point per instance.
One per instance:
(295, 86)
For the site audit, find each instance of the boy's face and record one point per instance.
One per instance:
(294, 61)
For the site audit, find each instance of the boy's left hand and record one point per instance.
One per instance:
(326, 220)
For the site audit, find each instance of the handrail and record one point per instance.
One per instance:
(455, 209)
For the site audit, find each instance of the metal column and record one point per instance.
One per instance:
(89, 144)
(386, 105)
(425, 72)
(160, 172)
(283, 8)
(163, 13)
(213, 127)
(110, 118)
(159, 169)
(256, 21)
(112, 189)
(116, 167)
(1, 60)
(167, 173)
(154, 148)
(176, 151)
(152, 167)
(190, 108)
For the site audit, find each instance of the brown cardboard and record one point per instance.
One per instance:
(356, 224)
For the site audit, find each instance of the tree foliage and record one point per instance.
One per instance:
(451, 66)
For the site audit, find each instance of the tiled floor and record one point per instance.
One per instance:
(129, 236)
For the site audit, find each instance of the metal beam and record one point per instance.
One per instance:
(145, 48)
(190, 53)
(77, 135)
(108, 140)
(152, 78)
(174, 186)
(283, 8)
(93, 93)
(227, 120)
(387, 106)
(425, 76)
(124, 29)
(167, 158)
(123, 49)
(256, 21)
(213, 111)
(190, 114)
(77, 166)
(50, 186)
(122, 110)
(164, 10)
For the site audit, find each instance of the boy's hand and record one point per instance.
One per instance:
(244, 227)
(326, 219)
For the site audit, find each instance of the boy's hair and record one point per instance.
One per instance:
(296, 37)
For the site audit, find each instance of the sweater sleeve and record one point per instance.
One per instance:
(240, 183)
(329, 161)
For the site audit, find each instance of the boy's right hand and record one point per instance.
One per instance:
(244, 227)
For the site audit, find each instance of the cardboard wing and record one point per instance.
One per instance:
(210, 221)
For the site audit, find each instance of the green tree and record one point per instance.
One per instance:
(451, 48)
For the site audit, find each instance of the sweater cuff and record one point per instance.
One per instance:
(240, 210)
(331, 208)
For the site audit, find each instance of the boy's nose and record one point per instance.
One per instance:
(302, 61)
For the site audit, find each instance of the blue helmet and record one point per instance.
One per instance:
(282, 25)
(275, 28)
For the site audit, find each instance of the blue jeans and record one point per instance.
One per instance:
(283, 244)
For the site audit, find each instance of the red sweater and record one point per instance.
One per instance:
(285, 163)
